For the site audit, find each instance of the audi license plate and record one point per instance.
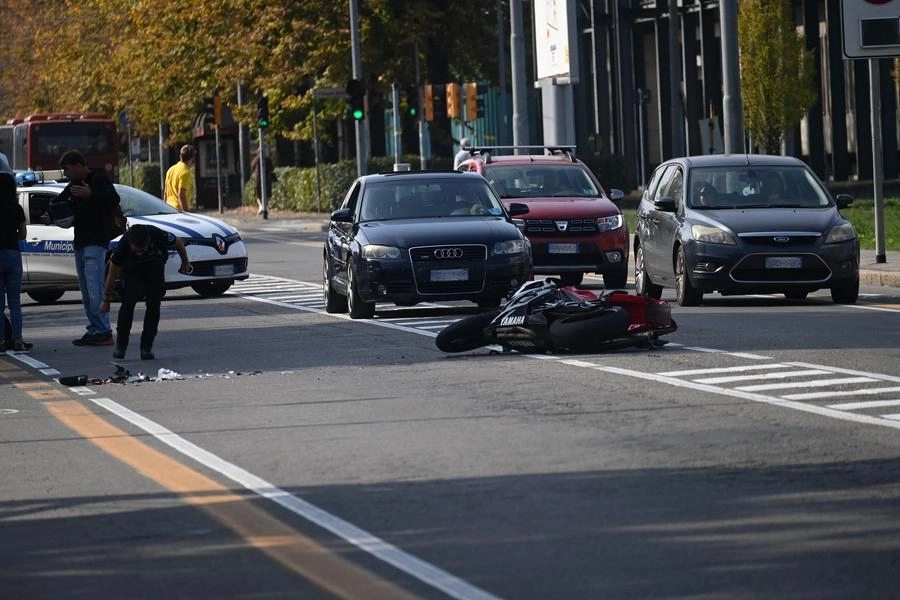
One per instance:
(784, 262)
(563, 249)
(450, 275)
(223, 270)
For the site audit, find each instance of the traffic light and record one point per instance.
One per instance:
(209, 108)
(262, 111)
(428, 98)
(412, 101)
(356, 89)
(471, 101)
(453, 101)
(439, 96)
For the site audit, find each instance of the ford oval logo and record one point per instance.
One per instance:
(448, 253)
(781, 239)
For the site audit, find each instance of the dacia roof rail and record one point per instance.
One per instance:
(554, 150)
(26, 178)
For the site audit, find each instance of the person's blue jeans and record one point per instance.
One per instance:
(90, 263)
(11, 288)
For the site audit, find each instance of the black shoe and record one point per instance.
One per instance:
(83, 340)
(101, 339)
(119, 352)
(147, 354)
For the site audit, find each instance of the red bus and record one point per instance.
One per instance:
(38, 141)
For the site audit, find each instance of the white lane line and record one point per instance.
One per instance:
(748, 355)
(805, 384)
(737, 369)
(388, 553)
(893, 417)
(758, 377)
(842, 393)
(864, 404)
(28, 360)
(846, 371)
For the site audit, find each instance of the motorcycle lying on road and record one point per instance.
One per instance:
(544, 316)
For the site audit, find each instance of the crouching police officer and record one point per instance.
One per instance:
(140, 261)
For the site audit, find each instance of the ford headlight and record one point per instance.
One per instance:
(841, 233)
(372, 251)
(609, 223)
(509, 247)
(712, 235)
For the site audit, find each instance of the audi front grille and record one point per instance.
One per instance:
(472, 257)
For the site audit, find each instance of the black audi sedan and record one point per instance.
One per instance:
(743, 224)
(422, 236)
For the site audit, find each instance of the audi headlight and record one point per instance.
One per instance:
(372, 251)
(712, 235)
(509, 247)
(841, 233)
(609, 223)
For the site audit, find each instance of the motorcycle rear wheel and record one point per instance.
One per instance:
(584, 331)
(465, 334)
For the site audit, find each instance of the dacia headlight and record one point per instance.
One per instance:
(609, 223)
(372, 251)
(712, 235)
(841, 233)
(509, 247)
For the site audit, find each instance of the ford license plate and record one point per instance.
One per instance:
(563, 249)
(450, 275)
(223, 270)
(784, 262)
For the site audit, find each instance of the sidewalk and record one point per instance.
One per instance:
(246, 219)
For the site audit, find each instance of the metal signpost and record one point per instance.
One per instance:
(871, 30)
(330, 93)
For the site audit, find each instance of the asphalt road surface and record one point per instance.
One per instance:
(305, 455)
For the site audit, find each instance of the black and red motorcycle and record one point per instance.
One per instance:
(545, 316)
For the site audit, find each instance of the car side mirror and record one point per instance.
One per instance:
(342, 215)
(843, 200)
(664, 204)
(517, 208)
(616, 194)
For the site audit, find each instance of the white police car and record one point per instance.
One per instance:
(215, 249)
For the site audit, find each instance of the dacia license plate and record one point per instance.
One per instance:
(449, 275)
(563, 248)
(784, 262)
(223, 270)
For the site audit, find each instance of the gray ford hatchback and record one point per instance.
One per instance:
(743, 224)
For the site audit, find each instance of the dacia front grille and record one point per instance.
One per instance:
(561, 227)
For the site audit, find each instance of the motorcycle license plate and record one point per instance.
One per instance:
(784, 262)
(450, 275)
(563, 249)
(222, 270)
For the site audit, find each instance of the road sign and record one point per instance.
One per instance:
(325, 93)
(871, 28)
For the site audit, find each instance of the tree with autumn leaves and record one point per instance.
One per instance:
(159, 60)
(777, 84)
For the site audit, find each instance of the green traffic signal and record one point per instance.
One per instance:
(358, 114)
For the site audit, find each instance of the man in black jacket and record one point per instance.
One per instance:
(140, 260)
(92, 197)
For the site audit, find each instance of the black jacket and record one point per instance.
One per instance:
(93, 215)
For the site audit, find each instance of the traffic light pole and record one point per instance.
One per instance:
(420, 114)
(357, 74)
(263, 184)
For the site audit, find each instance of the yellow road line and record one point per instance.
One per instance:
(295, 551)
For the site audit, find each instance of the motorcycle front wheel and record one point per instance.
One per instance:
(465, 334)
(584, 331)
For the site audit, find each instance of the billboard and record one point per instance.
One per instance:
(554, 42)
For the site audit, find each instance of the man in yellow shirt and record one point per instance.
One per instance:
(180, 180)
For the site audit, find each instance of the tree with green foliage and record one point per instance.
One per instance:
(777, 83)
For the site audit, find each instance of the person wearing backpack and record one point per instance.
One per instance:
(92, 198)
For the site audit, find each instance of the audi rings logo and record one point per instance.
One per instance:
(781, 239)
(448, 253)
